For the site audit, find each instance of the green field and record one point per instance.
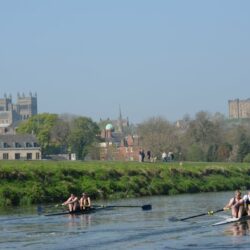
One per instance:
(33, 182)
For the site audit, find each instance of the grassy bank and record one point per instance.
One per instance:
(31, 182)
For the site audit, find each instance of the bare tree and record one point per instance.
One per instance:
(158, 135)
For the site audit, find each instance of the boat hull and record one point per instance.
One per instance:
(232, 220)
(77, 212)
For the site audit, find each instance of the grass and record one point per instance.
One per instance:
(31, 182)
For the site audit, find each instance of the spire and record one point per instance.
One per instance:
(120, 113)
(120, 127)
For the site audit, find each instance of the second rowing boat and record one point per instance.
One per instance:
(232, 220)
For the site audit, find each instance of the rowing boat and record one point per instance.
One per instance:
(232, 220)
(94, 208)
(77, 212)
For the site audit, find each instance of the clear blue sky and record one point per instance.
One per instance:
(157, 57)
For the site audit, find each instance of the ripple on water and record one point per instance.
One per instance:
(129, 228)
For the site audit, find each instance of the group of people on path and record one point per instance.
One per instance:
(167, 157)
(75, 204)
(142, 155)
(239, 205)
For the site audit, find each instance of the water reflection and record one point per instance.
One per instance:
(79, 221)
(238, 229)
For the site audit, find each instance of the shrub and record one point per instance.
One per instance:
(247, 158)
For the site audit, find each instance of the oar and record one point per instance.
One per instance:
(198, 215)
(143, 207)
(42, 208)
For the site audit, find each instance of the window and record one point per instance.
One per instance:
(17, 145)
(28, 145)
(5, 145)
(17, 156)
(37, 156)
(5, 156)
(29, 156)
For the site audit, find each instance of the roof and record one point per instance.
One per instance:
(115, 138)
(20, 138)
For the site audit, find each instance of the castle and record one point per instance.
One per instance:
(11, 114)
(239, 108)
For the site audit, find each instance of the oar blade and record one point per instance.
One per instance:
(173, 219)
(147, 207)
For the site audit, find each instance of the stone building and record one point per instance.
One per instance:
(239, 108)
(19, 147)
(119, 142)
(12, 113)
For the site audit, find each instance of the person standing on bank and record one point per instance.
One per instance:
(142, 155)
(149, 155)
(164, 157)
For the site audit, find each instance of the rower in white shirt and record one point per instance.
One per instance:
(246, 200)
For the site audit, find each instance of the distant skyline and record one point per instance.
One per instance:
(151, 58)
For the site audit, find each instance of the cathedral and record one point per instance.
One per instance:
(12, 113)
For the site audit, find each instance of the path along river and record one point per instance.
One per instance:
(128, 228)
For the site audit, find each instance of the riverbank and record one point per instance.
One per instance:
(33, 182)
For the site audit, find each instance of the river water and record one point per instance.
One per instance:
(128, 228)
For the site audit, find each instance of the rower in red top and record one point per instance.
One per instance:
(72, 202)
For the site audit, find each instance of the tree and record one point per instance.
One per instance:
(224, 151)
(244, 147)
(83, 133)
(247, 158)
(205, 131)
(40, 125)
(195, 153)
(158, 135)
(212, 154)
(60, 134)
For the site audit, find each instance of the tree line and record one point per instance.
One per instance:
(62, 134)
(206, 137)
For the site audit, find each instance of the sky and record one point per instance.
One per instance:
(167, 58)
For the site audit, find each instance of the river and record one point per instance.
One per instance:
(128, 228)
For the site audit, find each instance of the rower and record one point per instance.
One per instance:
(246, 202)
(85, 202)
(246, 199)
(72, 202)
(235, 205)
